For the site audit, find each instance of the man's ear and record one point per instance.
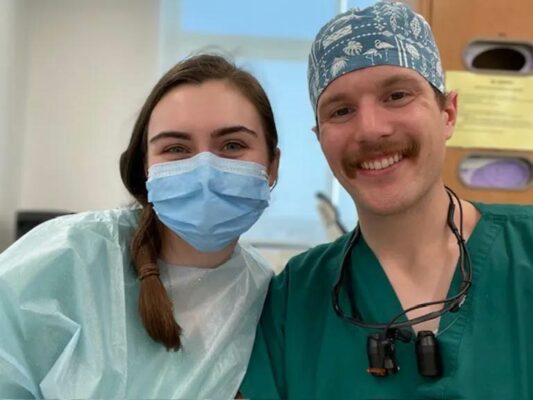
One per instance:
(449, 114)
(273, 168)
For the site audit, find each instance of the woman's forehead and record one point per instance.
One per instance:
(203, 107)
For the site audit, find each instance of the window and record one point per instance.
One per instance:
(271, 40)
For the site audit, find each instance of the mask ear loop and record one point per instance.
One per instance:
(273, 163)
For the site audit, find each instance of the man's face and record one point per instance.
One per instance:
(384, 136)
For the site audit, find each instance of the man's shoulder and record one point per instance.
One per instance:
(325, 256)
(511, 220)
(506, 211)
(311, 274)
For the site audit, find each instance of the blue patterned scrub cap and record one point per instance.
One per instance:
(387, 33)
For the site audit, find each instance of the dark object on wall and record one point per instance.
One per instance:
(487, 36)
(27, 220)
(498, 55)
(330, 217)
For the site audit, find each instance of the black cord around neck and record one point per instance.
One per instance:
(452, 304)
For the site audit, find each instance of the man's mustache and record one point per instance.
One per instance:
(373, 150)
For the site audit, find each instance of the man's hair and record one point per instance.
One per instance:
(441, 98)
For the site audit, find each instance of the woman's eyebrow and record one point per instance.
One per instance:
(170, 134)
(227, 130)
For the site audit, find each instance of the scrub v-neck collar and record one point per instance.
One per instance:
(376, 300)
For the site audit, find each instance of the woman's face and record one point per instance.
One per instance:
(209, 117)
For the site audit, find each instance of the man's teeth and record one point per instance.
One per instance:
(382, 163)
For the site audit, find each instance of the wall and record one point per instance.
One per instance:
(90, 64)
(12, 97)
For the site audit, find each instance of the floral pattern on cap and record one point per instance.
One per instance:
(387, 33)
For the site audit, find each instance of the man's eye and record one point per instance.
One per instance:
(398, 96)
(342, 112)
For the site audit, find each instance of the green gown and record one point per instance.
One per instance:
(304, 350)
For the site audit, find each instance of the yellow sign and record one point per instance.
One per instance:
(495, 111)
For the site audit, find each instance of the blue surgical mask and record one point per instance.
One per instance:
(207, 200)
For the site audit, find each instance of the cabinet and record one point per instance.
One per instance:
(456, 24)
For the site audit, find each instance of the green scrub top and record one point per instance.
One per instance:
(304, 350)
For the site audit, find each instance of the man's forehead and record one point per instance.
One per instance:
(378, 77)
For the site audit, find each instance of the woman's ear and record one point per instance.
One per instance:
(273, 168)
(146, 166)
(316, 131)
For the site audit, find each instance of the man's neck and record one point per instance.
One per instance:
(408, 236)
(417, 250)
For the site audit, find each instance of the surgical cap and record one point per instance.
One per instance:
(387, 33)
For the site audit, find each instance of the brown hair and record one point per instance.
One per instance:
(441, 97)
(155, 306)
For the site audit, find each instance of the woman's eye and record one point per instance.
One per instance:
(233, 146)
(175, 149)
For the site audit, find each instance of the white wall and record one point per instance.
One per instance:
(90, 64)
(12, 97)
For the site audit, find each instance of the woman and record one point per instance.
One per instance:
(79, 321)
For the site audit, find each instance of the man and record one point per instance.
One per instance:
(383, 119)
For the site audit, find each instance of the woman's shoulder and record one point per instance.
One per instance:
(67, 280)
(252, 257)
(105, 224)
(321, 258)
(73, 240)
(104, 221)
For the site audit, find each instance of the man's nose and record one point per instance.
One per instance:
(372, 122)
